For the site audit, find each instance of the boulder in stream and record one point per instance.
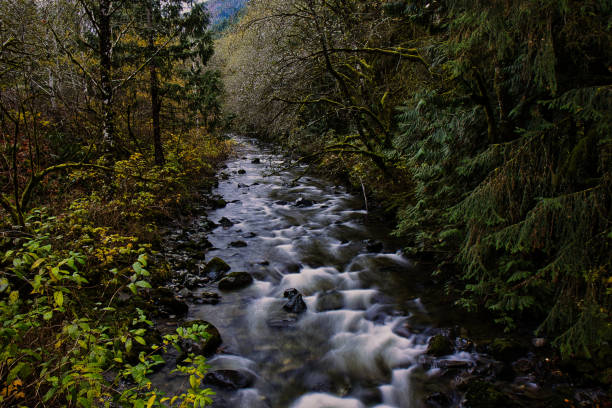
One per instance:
(207, 346)
(256, 160)
(439, 345)
(241, 171)
(296, 302)
(229, 379)
(225, 222)
(238, 244)
(216, 268)
(235, 280)
(303, 202)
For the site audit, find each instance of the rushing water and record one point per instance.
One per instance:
(352, 347)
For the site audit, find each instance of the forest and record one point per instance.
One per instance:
(481, 129)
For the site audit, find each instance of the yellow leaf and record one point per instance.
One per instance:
(37, 263)
(151, 401)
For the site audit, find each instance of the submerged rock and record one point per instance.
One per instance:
(207, 346)
(226, 222)
(235, 280)
(238, 244)
(210, 298)
(241, 171)
(256, 160)
(216, 268)
(330, 300)
(296, 302)
(287, 322)
(229, 379)
(303, 202)
(439, 345)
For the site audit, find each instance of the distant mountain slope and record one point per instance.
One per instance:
(223, 10)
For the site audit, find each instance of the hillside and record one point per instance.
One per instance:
(222, 10)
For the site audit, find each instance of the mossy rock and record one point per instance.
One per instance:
(216, 268)
(235, 280)
(207, 346)
(440, 345)
(481, 394)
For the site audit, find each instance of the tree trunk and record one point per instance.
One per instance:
(106, 84)
(155, 100)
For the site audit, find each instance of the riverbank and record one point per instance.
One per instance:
(76, 293)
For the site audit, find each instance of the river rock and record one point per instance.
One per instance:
(210, 298)
(207, 346)
(241, 171)
(216, 268)
(218, 202)
(235, 280)
(238, 244)
(374, 246)
(296, 302)
(439, 345)
(256, 160)
(303, 202)
(330, 300)
(225, 222)
(229, 379)
(167, 303)
(286, 322)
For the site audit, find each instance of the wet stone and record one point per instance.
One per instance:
(210, 298)
(439, 345)
(241, 171)
(235, 280)
(216, 268)
(256, 160)
(287, 322)
(238, 244)
(295, 304)
(330, 300)
(229, 379)
(226, 222)
(303, 202)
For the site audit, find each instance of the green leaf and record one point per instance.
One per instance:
(143, 284)
(128, 345)
(193, 381)
(48, 315)
(59, 298)
(142, 258)
(140, 340)
(137, 267)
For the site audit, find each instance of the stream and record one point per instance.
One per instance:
(362, 340)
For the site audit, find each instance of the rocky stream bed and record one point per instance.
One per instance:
(311, 304)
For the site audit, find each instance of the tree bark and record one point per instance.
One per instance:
(106, 84)
(154, 89)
